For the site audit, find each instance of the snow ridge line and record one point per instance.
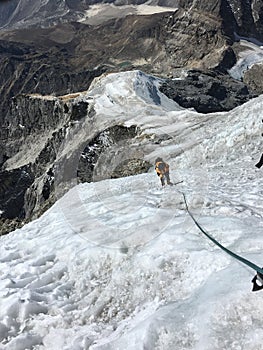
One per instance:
(234, 255)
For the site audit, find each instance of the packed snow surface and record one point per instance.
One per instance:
(119, 263)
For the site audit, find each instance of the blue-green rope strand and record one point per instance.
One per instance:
(234, 255)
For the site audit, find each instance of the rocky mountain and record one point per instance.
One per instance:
(243, 17)
(61, 58)
(24, 14)
(48, 48)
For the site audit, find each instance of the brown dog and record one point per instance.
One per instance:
(162, 170)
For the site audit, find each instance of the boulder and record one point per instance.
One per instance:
(253, 78)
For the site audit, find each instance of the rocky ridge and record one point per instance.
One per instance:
(34, 152)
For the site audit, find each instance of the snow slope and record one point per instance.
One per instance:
(251, 54)
(119, 264)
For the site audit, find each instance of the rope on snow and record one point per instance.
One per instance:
(258, 279)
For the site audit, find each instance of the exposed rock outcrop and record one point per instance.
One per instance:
(36, 128)
(33, 131)
(253, 78)
(131, 167)
(93, 168)
(243, 17)
(206, 92)
(12, 191)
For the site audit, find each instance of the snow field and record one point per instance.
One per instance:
(119, 264)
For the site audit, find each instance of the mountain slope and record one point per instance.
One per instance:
(243, 17)
(22, 14)
(63, 59)
(119, 263)
(60, 52)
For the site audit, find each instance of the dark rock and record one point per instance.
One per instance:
(130, 167)
(249, 18)
(228, 60)
(12, 191)
(48, 186)
(207, 92)
(105, 140)
(8, 225)
(34, 129)
(39, 73)
(79, 110)
(27, 117)
(253, 78)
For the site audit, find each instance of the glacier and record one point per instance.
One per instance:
(119, 263)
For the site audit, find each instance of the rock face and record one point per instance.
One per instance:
(33, 140)
(206, 92)
(33, 130)
(13, 187)
(249, 18)
(131, 167)
(90, 157)
(243, 17)
(97, 163)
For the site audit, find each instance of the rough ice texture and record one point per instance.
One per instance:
(119, 264)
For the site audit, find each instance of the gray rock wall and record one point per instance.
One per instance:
(245, 17)
(44, 152)
(34, 129)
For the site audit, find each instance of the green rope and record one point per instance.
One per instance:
(234, 255)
